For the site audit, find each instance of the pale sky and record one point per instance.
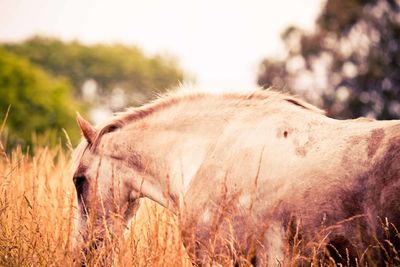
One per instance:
(219, 42)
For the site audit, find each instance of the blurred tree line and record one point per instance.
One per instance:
(350, 63)
(38, 103)
(44, 81)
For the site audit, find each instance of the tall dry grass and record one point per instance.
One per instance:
(37, 209)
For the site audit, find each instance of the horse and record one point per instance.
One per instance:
(258, 170)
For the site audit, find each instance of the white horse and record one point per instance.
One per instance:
(247, 174)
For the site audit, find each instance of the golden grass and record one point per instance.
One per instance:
(37, 209)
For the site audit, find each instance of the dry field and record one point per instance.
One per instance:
(37, 209)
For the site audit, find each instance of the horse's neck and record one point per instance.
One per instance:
(175, 152)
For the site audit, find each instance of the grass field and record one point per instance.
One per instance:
(37, 209)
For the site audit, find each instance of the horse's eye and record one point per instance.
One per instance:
(80, 185)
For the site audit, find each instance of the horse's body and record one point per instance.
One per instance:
(257, 171)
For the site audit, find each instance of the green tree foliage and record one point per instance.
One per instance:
(39, 104)
(110, 66)
(41, 78)
(351, 60)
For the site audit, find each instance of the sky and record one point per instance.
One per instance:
(220, 43)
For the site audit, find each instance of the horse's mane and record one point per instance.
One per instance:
(169, 99)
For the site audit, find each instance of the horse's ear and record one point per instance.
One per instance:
(88, 131)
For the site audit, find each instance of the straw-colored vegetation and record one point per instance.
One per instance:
(37, 209)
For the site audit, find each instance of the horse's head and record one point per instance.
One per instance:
(106, 191)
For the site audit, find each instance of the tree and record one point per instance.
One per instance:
(350, 63)
(39, 104)
(110, 67)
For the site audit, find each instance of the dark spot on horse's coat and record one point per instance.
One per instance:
(284, 130)
(374, 141)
